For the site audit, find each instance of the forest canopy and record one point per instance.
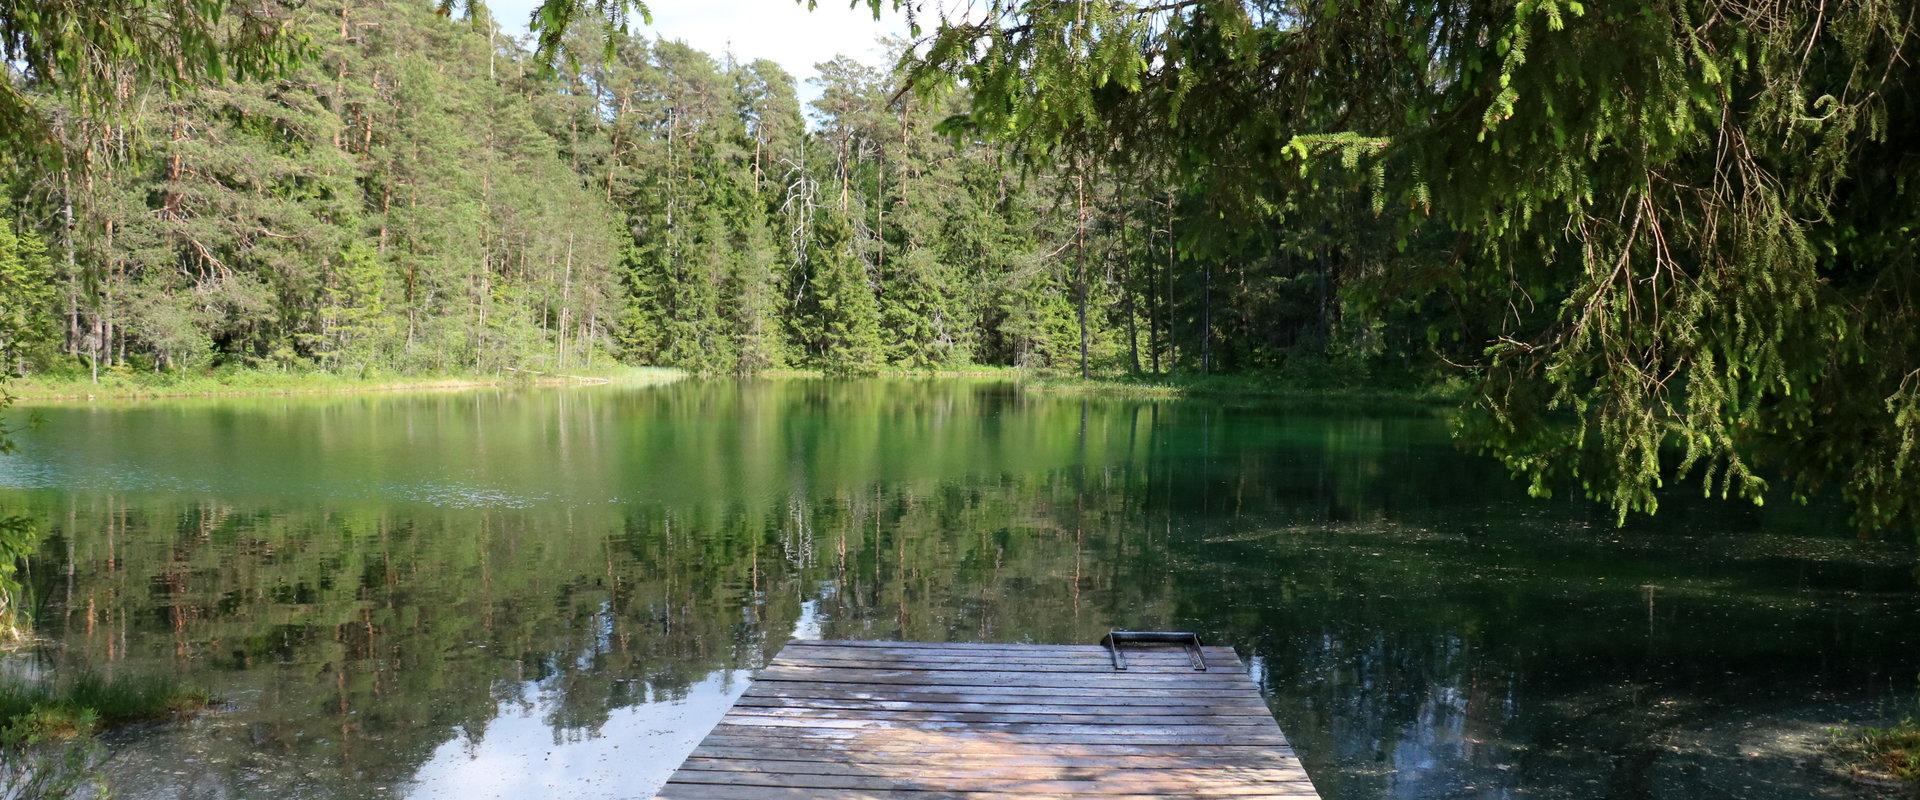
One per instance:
(1659, 240)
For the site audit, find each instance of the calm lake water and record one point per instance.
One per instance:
(556, 592)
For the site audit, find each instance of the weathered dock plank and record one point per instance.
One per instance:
(921, 721)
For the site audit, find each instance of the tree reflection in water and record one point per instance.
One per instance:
(488, 594)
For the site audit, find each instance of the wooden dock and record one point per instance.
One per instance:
(918, 721)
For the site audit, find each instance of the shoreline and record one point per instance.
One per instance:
(1256, 390)
(1247, 388)
(1235, 389)
(288, 384)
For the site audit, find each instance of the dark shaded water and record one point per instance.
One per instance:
(556, 592)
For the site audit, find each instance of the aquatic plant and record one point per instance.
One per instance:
(1889, 755)
(47, 745)
(1886, 754)
(43, 710)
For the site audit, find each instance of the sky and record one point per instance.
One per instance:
(781, 30)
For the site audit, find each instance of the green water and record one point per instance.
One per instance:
(556, 592)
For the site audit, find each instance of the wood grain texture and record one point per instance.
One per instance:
(923, 721)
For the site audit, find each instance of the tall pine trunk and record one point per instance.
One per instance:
(1127, 293)
(1080, 257)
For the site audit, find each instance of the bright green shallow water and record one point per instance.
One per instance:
(513, 594)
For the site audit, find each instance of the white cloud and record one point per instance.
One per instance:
(781, 30)
(629, 754)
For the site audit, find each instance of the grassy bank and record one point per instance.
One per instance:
(241, 382)
(35, 710)
(1318, 386)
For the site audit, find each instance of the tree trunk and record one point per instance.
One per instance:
(93, 355)
(1126, 292)
(68, 229)
(1080, 256)
(1326, 314)
(1206, 318)
(566, 292)
(1166, 302)
(1153, 304)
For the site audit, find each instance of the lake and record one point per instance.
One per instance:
(555, 592)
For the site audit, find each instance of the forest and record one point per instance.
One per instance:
(420, 196)
(1648, 244)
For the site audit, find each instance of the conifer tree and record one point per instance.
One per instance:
(354, 326)
(756, 292)
(27, 312)
(849, 317)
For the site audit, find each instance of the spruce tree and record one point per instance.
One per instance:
(27, 312)
(849, 324)
(756, 293)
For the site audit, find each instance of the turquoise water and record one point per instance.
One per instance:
(556, 592)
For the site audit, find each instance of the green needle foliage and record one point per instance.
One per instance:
(84, 59)
(1663, 239)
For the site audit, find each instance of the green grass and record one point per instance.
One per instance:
(76, 706)
(1884, 755)
(130, 384)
